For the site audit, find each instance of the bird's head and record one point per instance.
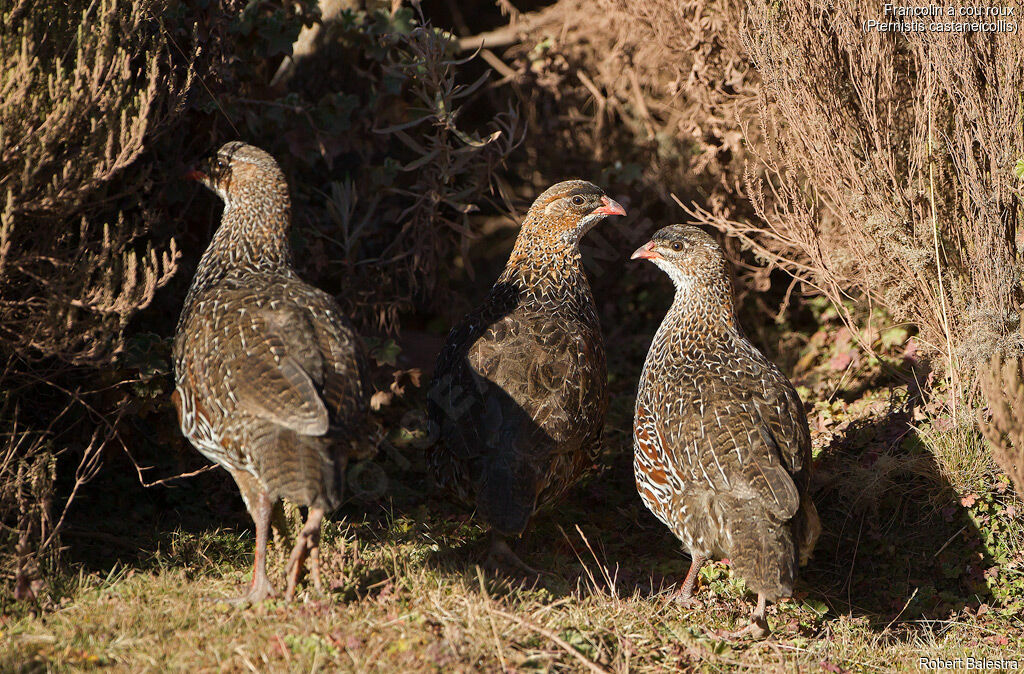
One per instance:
(571, 208)
(687, 254)
(237, 170)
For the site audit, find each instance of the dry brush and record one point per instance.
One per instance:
(890, 173)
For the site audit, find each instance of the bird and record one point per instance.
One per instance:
(722, 450)
(518, 395)
(270, 376)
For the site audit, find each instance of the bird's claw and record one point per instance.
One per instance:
(757, 629)
(502, 558)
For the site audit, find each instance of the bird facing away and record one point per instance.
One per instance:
(519, 392)
(270, 375)
(722, 451)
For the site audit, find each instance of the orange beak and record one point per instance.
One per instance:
(609, 207)
(198, 176)
(645, 252)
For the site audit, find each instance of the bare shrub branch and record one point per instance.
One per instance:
(890, 171)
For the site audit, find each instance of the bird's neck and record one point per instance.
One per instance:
(702, 315)
(548, 267)
(252, 237)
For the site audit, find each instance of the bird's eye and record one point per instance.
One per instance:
(577, 200)
(677, 246)
(221, 164)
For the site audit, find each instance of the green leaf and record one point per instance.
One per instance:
(385, 352)
(817, 606)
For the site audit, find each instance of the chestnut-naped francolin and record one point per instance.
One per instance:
(519, 392)
(722, 451)
(270, 375)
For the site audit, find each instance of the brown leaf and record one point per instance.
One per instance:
(380, 399)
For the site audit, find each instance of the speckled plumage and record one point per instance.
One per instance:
(722, 447)
(519, 392)
(270, 375)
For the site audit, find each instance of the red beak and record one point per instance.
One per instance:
(198, 176)
(645, 252)
(610, 207)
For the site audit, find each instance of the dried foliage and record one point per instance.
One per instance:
(661, 86)
(81, 92)
(32, 508)
(891, 172)
(1002, 383)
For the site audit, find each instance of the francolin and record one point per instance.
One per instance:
(722, 448)
(270, 375)
(519, 392)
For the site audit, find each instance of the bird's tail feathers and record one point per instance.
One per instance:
(764, 555)
(299, 468)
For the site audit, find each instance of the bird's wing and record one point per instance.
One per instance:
(661, 478)
(782, 413)
(458, 394)
(269, 375)
(475, 396)
(509, 394)
(721, 440)
(345, 368)
(538, 368)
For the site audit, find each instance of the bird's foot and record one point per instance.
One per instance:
(756, 630)
(296, 564)
(257, 592)
(686, 601)
(307, 545)
(501, 558)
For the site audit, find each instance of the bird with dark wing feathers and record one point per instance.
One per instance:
(270, 375)
(722, 448)
(519, 392)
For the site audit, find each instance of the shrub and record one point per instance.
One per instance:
(82, 92)
(384, 173)
(890, 172)
(654, 93)
(85, 90)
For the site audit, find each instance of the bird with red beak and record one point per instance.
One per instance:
(722, 449)
(519, 392)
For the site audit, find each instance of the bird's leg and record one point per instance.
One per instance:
(758, 627)
(314, 549)
(307, 543)
(314, 567)
(261, 587)
(501, 556)
(684, 595)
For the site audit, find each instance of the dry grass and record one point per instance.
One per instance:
(963, 458)
(394, 610)
(902, 571)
